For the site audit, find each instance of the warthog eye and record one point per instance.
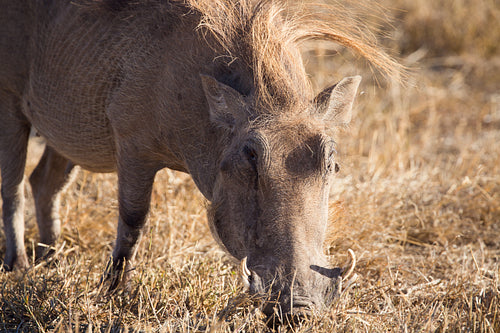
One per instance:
(251, 156)
(242, 164)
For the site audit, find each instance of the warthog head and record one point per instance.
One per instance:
(270, 201)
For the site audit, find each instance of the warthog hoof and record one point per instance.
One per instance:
(16, 262)
(116, 276)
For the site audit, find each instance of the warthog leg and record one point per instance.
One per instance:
(14, 133)
(47, 182)
(135, 183)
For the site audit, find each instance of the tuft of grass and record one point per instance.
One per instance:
(417, 200)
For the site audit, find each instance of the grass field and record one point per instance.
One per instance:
(417, 200)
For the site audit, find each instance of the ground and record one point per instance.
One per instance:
(417, 200)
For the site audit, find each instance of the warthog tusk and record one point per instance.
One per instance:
(353, 264)
(245, 273)
(245, 267)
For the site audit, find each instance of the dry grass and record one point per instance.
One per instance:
(418, 200)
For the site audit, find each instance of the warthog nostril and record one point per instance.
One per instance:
(286, 308)
(297, 316)
(292, 318)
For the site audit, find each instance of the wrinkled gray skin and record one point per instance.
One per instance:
(109, 97)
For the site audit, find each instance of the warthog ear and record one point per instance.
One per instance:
(227, 106)
(334, 104)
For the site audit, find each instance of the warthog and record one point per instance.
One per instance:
(216, 89)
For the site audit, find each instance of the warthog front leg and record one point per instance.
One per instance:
(135, 183)
(14, 133)
(47, 181)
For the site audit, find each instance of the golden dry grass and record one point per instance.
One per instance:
(418, 200)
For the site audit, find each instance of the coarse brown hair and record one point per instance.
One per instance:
(265, 35)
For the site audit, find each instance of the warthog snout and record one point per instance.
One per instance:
(290, 297)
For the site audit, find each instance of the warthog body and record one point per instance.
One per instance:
(213, 88)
